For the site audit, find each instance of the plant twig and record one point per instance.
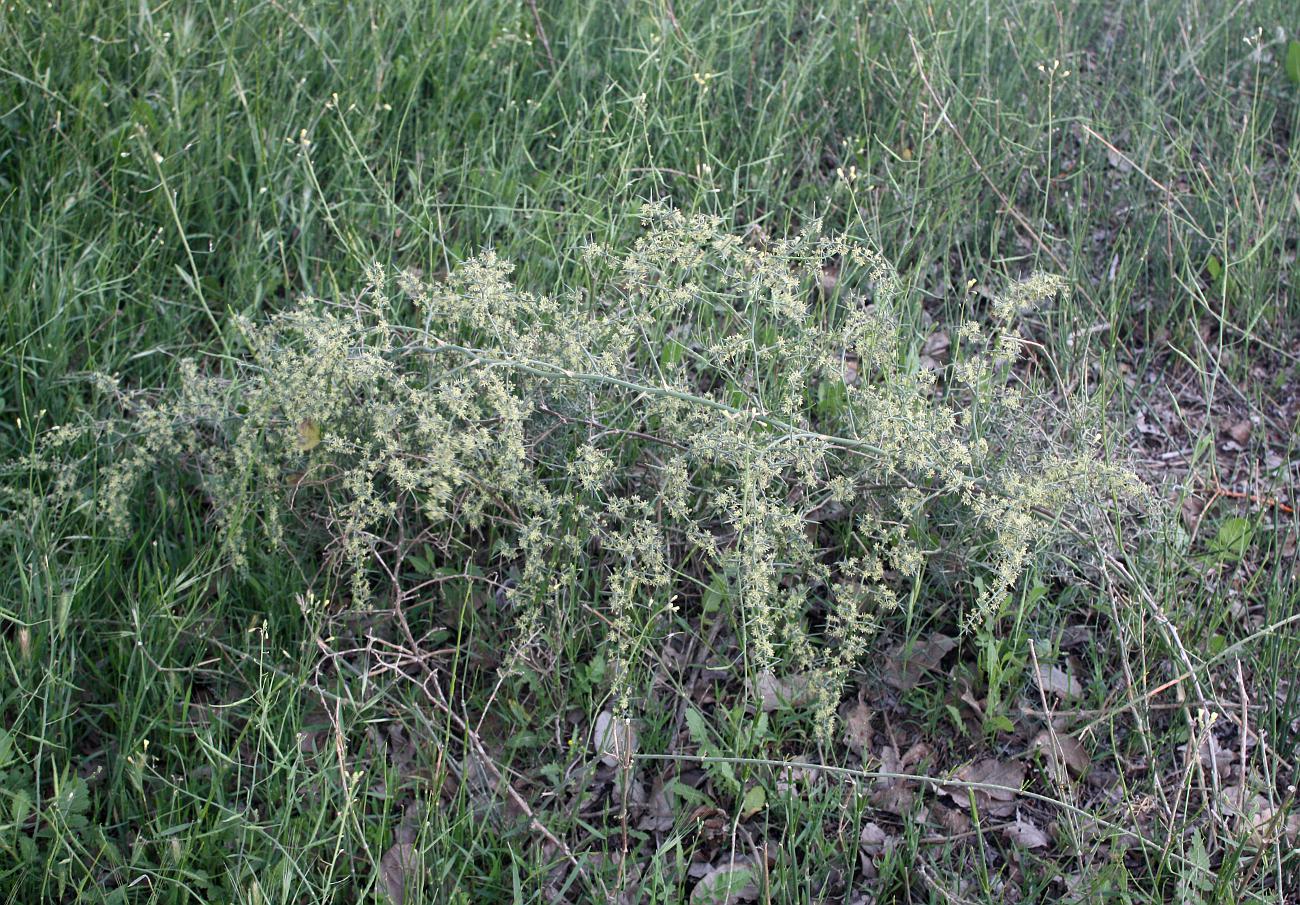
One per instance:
(1007, 203)
(440, 702)
(936, 783)
(1188, 220)
(1218, 490)
(541, 32)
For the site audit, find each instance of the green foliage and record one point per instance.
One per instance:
(439, 129)
(426, 411)
(1232, 539)
(722, 771)
(46, 831)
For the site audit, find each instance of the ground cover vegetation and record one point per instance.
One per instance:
(671, 451)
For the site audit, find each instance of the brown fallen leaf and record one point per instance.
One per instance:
(1212, 754)
(890, 762)
(1257, 818)
(776, 693)
(892, 794)
(829, 277)
(953, 821)
(313, 742)
(894, 798)
(1076, 636)
(1144, 425)
(1191, 509)
(394, 866)
(857, 728)
(658, 815)
(1240, 431)
(1063, 754)
(935, 351)
(873, 838)
(727, 884)
(999, 785)
(968, 698)
(914, 755)
(1054, 680)
(904, 668)
(481, 781)
(794, 777)
(308, 435)
(852, 370)
(1023, 832)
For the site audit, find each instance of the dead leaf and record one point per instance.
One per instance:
(726, 884)
(954, 821)
(1054, 680)
(904, 668)
(1240, 431)
(1023, 832)
(480, 782)
(794, 774)
(616, 739)
(895, 798)
(857, 728)
(1063, 754)
(313, 742)
(1257, 819)
(934, 354)
(892, 793)
(968, 697)
(1144, 425)
(1119, 161)
(775, 693)
(1192, 508)
(872, 843)
(999, 783)
(829, 277)
(873, 838)
(394, 865)
(829, 512)
(658, 816)
(1076, 636)
(852, 367)
(914, 755)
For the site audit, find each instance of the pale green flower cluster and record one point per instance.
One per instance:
(699, 409)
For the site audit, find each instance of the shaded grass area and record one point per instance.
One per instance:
(183, 734)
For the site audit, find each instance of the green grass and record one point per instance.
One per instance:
(205, 728)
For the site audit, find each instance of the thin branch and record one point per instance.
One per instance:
(541, 33)
(440, 702)
(979, 167)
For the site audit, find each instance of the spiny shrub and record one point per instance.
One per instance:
(701, 410)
